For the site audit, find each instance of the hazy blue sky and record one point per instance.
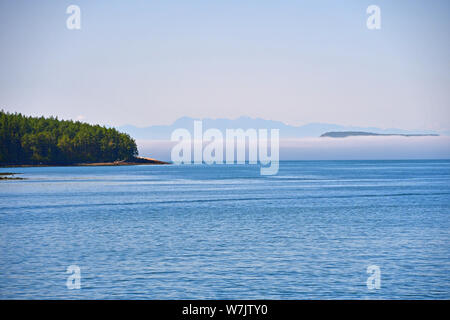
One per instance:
(151, 62)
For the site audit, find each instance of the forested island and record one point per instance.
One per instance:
(28, 140)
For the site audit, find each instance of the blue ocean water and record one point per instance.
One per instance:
(226, 232)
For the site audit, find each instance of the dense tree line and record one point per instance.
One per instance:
(32, 140)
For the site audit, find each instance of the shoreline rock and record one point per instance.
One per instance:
(6, 176)
(131, 162)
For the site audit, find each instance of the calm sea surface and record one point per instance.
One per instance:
(225, 232)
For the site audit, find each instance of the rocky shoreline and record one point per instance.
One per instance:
(131, 162)
(9, 176)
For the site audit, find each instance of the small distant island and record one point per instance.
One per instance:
(9, 176)
(345, 134)
(34, 141)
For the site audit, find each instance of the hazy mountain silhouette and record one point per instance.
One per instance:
(163, 132)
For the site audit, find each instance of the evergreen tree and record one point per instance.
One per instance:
(31, 140)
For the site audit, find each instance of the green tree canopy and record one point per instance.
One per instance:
(32, 140)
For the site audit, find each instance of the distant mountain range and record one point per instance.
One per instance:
(345, 134)
(163, 132)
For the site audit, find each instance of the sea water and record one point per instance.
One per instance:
(226, 232)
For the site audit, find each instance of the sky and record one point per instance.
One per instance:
(151, 62)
